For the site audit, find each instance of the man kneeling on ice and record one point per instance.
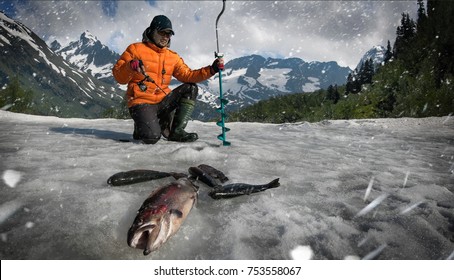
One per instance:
(147, 67)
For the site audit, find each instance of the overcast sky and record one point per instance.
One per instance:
(339, 31)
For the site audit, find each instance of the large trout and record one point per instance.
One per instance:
(161, 215)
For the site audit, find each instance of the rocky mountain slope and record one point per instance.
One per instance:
(59, 87)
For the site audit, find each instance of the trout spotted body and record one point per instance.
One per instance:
(161, 215)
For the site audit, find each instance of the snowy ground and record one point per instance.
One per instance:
(349, 189)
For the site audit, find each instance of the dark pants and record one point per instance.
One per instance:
(151, 119)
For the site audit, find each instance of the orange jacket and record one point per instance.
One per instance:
(160, 65)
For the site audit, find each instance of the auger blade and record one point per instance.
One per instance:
(224, 142)
(224, 128)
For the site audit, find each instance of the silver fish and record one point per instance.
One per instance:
(161, 215)
(139, 176)
(208, 174)
(135, 176)
(238, 189)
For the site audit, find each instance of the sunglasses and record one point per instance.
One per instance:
(165, 33)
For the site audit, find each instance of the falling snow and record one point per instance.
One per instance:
(323, 30)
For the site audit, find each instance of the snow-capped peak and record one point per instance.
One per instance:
(41, 68)
(377, 53)
(90, 55)
(88, 39)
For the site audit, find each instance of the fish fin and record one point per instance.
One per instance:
(176, 212)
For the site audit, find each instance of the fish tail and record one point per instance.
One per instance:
(274, 184)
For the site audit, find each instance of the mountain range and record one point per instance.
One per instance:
(89, 55)
(59, 87)
(253, 78)
(85, 66)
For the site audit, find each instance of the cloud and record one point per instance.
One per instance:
(109, 8)
(339, 31)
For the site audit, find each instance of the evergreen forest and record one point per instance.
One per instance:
(415, 80)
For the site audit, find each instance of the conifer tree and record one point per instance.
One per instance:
(405, 32)
(336, 94)
(332, 94)
(422, 16)
(440, 27)
(388, 53)
(15, 99)
(353, 84)
(365, 73)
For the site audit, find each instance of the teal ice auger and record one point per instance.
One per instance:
(223, 101)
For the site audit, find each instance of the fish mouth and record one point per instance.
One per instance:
(139, 237)
(148, 237)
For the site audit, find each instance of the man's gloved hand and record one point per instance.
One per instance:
(218, 64)
(134, 64)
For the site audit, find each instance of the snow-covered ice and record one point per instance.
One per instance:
(356, 189)
(11, 177)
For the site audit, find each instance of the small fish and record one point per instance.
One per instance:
(139, 176)
(161, 215)
(233, 190)
(213, 172)
(200, 175)
(208, 174)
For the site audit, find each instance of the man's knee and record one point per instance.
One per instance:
(190, 92)
(149, 133)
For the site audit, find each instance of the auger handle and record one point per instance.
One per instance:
(217, 20)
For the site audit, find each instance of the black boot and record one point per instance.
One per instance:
(180, 120)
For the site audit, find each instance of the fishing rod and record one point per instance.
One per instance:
(142, 86)
(223, 101)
